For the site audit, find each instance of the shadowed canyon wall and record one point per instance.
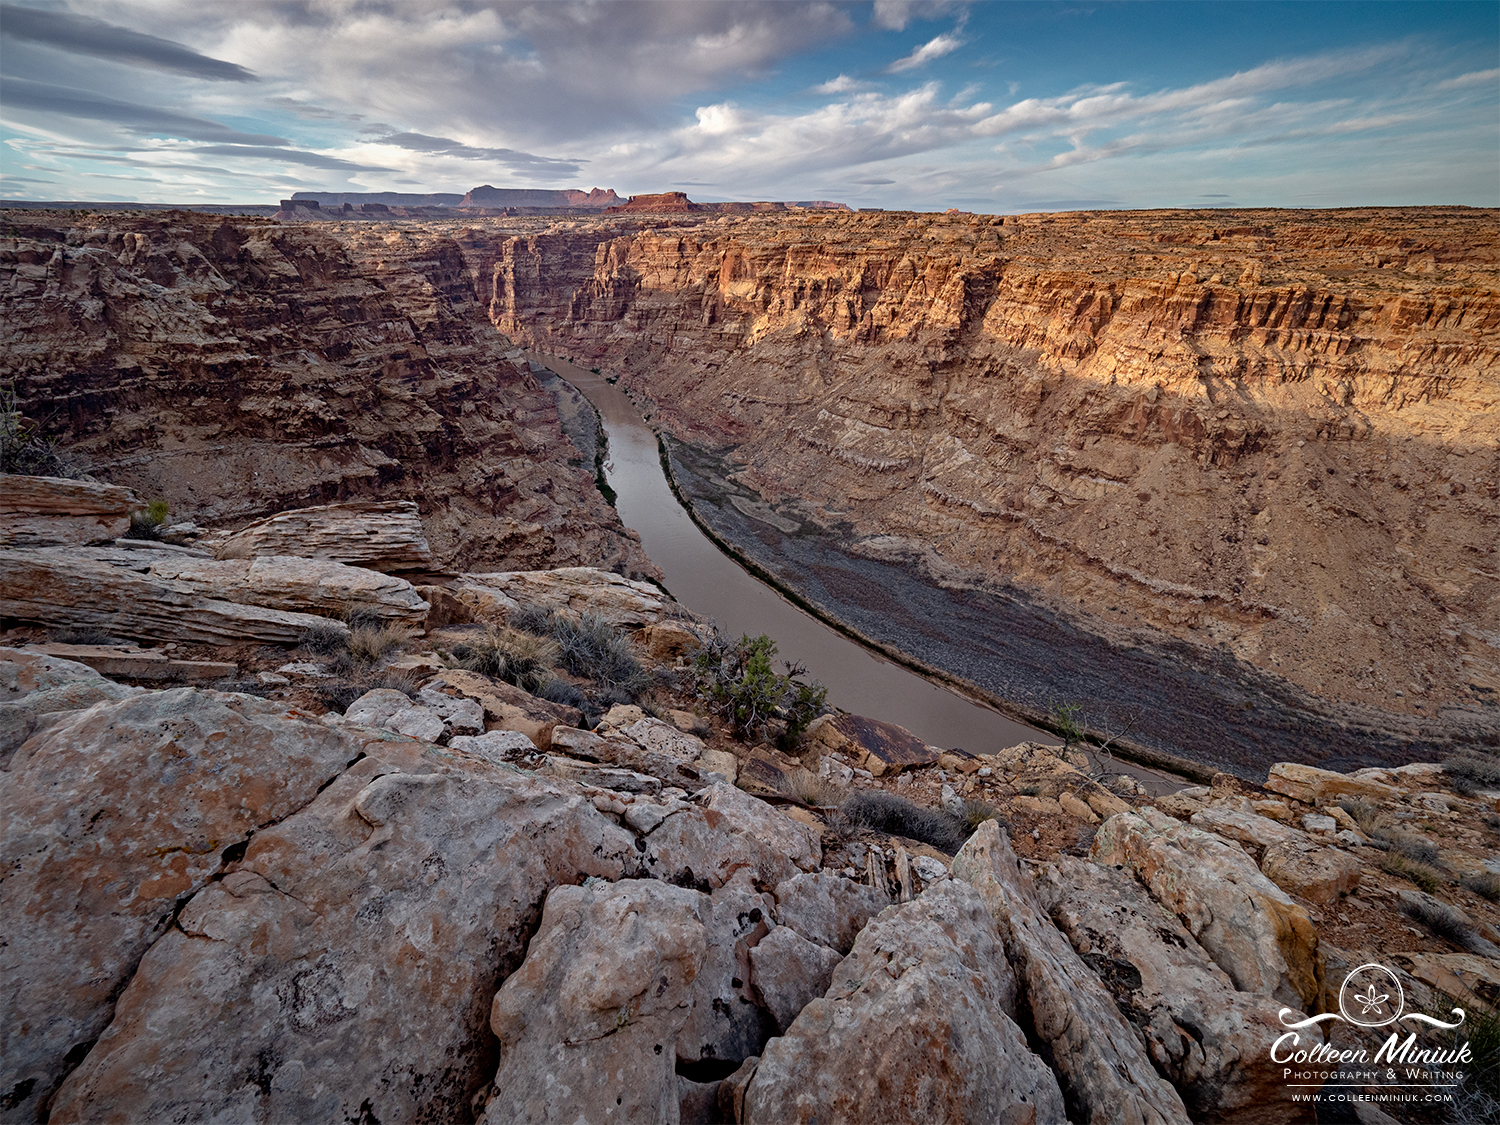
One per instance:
(1270, 434)
(237, 367)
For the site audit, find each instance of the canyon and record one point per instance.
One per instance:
(1256, 448)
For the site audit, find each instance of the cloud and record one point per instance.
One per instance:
(287, 156)
(43, 97)
(936, 48)
(843, 84)
(6, 176)
(874, 181)
(520, 161)
(894, 15)
(80, 35)
(1473, 78)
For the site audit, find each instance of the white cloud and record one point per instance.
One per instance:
(936, 48)
(843, 84)
(1473, 78)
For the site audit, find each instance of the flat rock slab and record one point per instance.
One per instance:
(884, 748)
(299, 585)
(576, 590)
(56, 512)
(380, 535)
(139, 664)
(36, 690)
(113, 590)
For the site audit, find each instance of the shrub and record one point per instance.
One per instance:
(325, 639)
(1441, 919)
(148, 522)
(555, 690)
(531, 619)
(898, 817)
(977, 812)
(1485, 884)
(807, 787)
(80, 635)
(594, 648)
(1066, 724)
(338, 694)
(736, 680)
(369, 643)
(523, 659)
(24, 450)
(1470, 772)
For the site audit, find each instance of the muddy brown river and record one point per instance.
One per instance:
(709, 582)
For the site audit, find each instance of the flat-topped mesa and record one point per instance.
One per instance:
(1271, 430)
(487, 196)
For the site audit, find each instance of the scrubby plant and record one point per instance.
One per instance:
(338, 694)
(1428, 878)
(556, 690)
(325, 638)
(1441, 919)
(80, 635)
(148, 522)
(24, 450)
(523, 659)
(1472, 771)
(737, 680)
(977, 812)
(899, 817)
(594, 648)
(531, 619)
(1485, 884)
(1067, 723)
(370, 643)
(806, 786)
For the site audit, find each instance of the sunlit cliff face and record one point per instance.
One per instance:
(1274, 431)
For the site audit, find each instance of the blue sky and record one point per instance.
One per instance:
(925, 104)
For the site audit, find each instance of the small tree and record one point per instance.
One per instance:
(737, 680)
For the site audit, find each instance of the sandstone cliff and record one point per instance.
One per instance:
(1271, 431)
(236, 368)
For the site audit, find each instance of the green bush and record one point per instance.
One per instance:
(736, 680)
(147, 523)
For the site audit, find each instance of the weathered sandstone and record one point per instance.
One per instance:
(37, 688)
(54, 512)
(917, 1026)
(380, 535)
(237, 368)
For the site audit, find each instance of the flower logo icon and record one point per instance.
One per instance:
(1371, 996)
(1369, 1002)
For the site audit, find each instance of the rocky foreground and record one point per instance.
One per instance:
(445, 899)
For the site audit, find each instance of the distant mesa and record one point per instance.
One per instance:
(485, 196)
(670, 202)
(389, 198)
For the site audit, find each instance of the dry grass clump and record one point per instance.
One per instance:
(807, 787)
(80, 635)
(339, 693)
(1424, 875)
(1485, 884)
(325, 639)
(589, 646)
(523, 659)
(977, 812)
(368, 644)
(1442, 920)
(898, 817)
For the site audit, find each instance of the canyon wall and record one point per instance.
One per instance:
(1268, 435)
(235, 368)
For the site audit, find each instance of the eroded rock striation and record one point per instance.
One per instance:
(237, 368)
(1269, 431)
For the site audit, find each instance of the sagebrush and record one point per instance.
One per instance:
(736, 679)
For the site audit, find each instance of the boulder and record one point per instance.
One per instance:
(344, 968)
(1098, 1056)
(55, 512)
(916, 1027)
(300, 585)
(789, 972)
(1247, 924)
(1242, 824)
(576, 590)
(649, 746)
(37, 690)
(85, 587)
(668, 640)
(1208, 1038)
(826, 908)
(880, 747)
(378, 535)
(115, 817)
(729, 830)
(507, 707)
(1322, 787)
(495, 745)
(602, 777)
(1321, 875)
(728, 1022)
(591, 1018)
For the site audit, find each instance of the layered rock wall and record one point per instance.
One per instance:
(1275, 431)
(236, 368)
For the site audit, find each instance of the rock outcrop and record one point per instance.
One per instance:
(237, 368)
(378, 535)
(54, 512)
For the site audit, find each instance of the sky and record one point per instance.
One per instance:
(994, 107)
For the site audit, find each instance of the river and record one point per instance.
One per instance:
(709, 582)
